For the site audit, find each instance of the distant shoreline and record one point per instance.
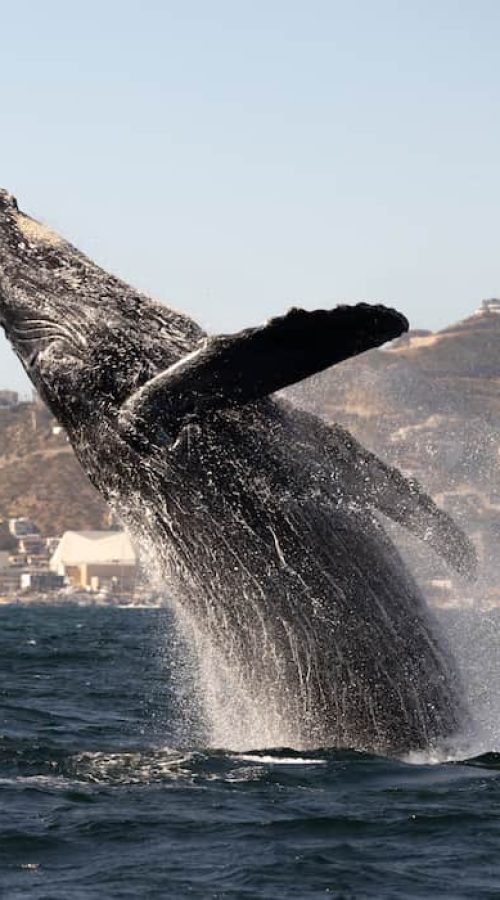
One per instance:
(57, 599)
(159, 602)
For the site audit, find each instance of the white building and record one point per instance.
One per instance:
(96, 559)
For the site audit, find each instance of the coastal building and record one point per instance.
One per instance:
(52, 543)
(23, 528)
(32, 545)
(97, 560)
(491, 305)
(41, 581)
(10, 575)
(10, 581)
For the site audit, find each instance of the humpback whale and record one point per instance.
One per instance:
(266, 522)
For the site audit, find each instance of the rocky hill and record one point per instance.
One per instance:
(40, 477)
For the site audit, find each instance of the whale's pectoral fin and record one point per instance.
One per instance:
(246, 366)
(403, 500)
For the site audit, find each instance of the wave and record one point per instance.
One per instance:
(46, 766)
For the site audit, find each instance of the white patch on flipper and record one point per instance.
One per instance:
(278, 760)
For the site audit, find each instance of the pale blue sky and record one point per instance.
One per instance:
(235, 158)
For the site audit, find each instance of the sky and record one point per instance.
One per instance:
(236, 158)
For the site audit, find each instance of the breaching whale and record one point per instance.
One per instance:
(263, 519)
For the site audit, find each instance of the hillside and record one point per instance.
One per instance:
(40, 477)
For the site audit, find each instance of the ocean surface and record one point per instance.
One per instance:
(107, 791)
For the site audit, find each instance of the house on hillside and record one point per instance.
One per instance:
(97, 560)
(23, 528)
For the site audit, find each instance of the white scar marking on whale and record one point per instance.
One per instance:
(35, 231)
(279, 551)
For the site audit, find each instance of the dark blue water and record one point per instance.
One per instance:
(102, 796)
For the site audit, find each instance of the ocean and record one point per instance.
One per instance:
(108, 791)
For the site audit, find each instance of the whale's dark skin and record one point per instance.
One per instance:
(262, 518)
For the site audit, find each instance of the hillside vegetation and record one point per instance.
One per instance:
(40, 477)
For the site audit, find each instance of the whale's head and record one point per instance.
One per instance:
(84, 337)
